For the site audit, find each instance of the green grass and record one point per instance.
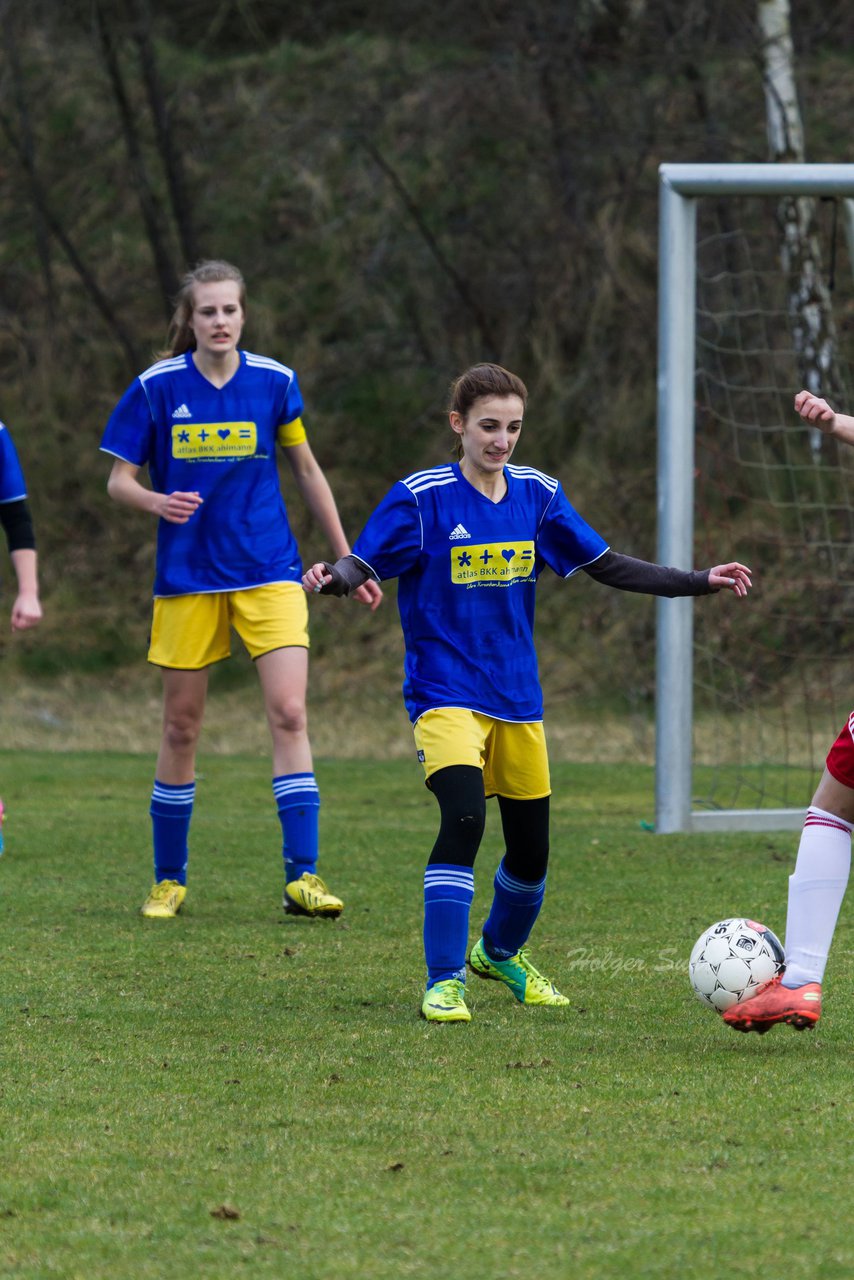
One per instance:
(153, 1072)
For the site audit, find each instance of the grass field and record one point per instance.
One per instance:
(235, 1094)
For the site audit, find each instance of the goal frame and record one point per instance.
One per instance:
(680, 187)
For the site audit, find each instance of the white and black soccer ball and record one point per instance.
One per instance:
(732, 960)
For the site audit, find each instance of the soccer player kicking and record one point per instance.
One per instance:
(468, 542)
(206, 421)
(18, 527)
(818, 883)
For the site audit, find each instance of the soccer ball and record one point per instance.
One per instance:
(732, 960)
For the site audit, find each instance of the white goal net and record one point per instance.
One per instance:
(750, 693)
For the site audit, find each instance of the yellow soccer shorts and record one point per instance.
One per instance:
(513, 757)
(192, 631)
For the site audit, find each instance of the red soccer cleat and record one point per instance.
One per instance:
(799, 1006)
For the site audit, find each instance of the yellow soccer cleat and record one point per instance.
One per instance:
(528, 985)
(309, 896)
(164, 901)
(445, 1002)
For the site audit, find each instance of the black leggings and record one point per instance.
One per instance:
(462, 807)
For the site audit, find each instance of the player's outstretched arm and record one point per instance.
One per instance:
(732, 577)
(818, 413)
(628, 574)
(124, 487)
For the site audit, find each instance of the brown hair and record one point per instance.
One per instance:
(482, 380)
(180, 337)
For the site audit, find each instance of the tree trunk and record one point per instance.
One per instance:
(148, 204)
(169, 155)
(27, 143)
(810, 304)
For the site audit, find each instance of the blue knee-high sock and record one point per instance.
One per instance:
(448, 893)
(298, 802)
(513, 914)
(171, 810)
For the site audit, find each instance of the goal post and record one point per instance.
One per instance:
(681, 187)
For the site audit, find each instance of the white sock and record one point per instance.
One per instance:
(816, 890)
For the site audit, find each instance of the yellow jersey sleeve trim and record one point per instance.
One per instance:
(291, 433)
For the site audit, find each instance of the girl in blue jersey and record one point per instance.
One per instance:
(206, 421)
(467, 542)
(18, 528)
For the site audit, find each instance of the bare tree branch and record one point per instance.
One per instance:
(27, 142)
(149, 208)
(42, 205)
(461, 287)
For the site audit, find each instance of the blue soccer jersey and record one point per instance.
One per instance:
(468, 570)
(12, 487)
(221, 443)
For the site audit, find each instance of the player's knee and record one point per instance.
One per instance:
(530, 863)
(289, 716)
(181, 729)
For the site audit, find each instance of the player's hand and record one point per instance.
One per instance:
(178, 507)
(315, 578)
(815, 411)
(26, 612)
(732, 577)
(369, 593)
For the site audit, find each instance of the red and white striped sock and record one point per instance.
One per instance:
(816, 889)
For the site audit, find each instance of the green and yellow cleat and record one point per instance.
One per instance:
(445, 1002)
(528, 985)
(309, 896)
(164, 901)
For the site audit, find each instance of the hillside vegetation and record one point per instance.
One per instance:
(407, 189)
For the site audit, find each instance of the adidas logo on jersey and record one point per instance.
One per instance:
(460, 532)
(181, 412)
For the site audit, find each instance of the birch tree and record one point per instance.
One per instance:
(810, 304)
